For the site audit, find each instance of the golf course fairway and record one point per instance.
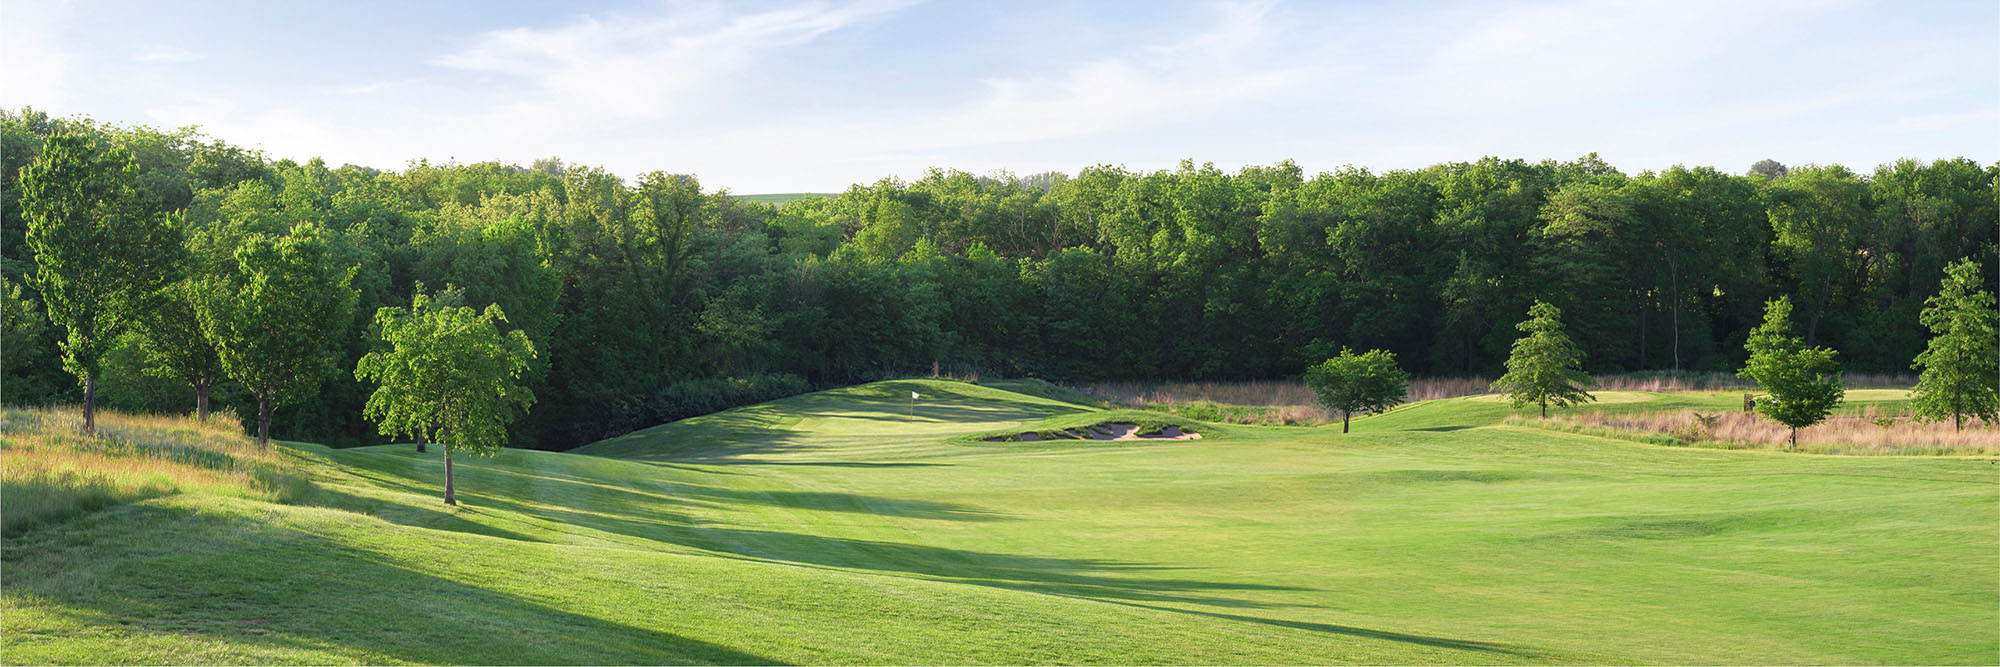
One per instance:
(859, 526)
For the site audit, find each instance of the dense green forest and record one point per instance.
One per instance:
(653, 299)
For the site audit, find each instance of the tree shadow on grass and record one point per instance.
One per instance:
(752, 434)
(642, 517)
(830, 464)
(1352, 631)
(1091, 578)
(270, 592)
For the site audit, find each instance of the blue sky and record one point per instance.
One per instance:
(799, 95)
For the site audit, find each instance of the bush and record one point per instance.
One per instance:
(694, 398)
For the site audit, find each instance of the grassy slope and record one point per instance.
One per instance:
(832, 528)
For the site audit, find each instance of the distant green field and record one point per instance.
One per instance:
(845, 527)
(782, 198)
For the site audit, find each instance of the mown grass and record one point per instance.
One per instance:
(50, 471)
(840, 528)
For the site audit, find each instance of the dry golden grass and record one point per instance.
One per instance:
(1873, 431)
(1292, 402)
(50, 471)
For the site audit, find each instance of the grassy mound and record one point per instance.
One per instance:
(50, 472)
(837, 528)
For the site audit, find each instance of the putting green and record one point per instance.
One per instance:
(836, 528)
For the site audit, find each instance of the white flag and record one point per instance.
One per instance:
(914, 396)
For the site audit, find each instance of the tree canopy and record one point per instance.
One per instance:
(640, 292)
(1545, 368)
(1801, 384)
(1961, 368)
(448, 375)
(1364, 383)
(98, 252)
(276, 317)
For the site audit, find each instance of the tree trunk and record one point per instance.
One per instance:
(1795, 437)
(1825, 300)
(201, 400)
(1345, 417)
(263, 422)
(1674, 270)
(90, 404)
(450, 490)
(1642, 335)
(422, 439)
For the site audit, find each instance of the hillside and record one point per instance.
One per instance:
(845, 527)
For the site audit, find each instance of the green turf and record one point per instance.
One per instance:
(838, 528)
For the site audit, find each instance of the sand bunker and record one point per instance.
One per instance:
(1107, 431)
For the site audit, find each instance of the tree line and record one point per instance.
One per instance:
(652, 299)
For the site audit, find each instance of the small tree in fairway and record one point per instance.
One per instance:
(1803, 383)
(1364, 383)
(449, 376)
(1545, 367)
(1961, 367)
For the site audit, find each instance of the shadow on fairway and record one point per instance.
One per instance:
(825, 464)
(752, 434)
(1351, 631)
(262, 585)
(647, 515)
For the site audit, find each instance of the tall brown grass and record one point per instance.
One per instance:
(1292, 402)
(1295, 392)
(50, 471)
(1871, 431)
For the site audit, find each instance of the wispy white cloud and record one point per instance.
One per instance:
(639, 66)
(1180, 77)
(788, 95)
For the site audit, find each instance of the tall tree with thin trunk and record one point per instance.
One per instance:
(1545, 367)
(1801, 384)
(277, 316)
(1364, 383)
(170, 333)
(449, 374)
(1960, 370)
(98, 252)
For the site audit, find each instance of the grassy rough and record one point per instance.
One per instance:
(50, 472)
(836, 528)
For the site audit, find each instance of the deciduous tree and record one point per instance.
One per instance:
(1961, 367)
(1545, 367)
(1363, 383)
(1801, 384)
(97, 250)
(277, 316)
(449, 375)
(170, 332)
